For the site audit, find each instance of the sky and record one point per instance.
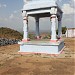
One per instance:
(11, 16)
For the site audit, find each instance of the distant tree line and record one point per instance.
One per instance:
(47, 36)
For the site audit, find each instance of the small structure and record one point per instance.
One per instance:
(39, 9)
(70, 32)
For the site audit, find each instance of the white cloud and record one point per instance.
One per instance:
(0, 5)
(3, 19)
(3, 5)
(67, 9)
(74, 0)
(60, 0)
(72, 3)
(11, 16)
(25, 1)
(15, 12)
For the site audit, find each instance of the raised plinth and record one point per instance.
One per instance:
(40, 47)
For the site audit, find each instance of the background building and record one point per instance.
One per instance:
(70, 32)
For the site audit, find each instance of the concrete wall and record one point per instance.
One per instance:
(70, 33)
(48, 48)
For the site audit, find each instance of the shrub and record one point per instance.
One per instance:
(63, 30)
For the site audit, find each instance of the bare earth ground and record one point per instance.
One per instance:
(12, 63)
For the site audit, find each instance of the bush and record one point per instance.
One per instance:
(47, 36)
(63, 30)
(31, 36)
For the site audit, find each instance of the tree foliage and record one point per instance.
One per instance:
(63, 30)
(31, 36)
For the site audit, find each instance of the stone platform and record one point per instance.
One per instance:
(41, 47)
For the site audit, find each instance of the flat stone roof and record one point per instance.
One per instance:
(38, 4)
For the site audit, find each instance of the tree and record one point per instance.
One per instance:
(31, 36)
(63, 30)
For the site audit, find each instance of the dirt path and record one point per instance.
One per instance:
(12, 63)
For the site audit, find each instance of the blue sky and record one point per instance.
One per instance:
(10, 15)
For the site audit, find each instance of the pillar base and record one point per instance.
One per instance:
(38, 37)
(26, 40)
(53, 40)
(47, 48)
(59, 38)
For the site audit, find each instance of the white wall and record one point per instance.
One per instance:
(70, 33)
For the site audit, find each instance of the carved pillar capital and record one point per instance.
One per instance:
(53, 10)
(24, 13)
(25, 18)
(53, 16)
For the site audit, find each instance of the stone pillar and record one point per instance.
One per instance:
(37, 28)
(25, 29)
(59, 29)
(53, 28)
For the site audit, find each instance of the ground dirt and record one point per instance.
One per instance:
(13, 63)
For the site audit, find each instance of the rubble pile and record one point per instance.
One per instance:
(5, 41)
